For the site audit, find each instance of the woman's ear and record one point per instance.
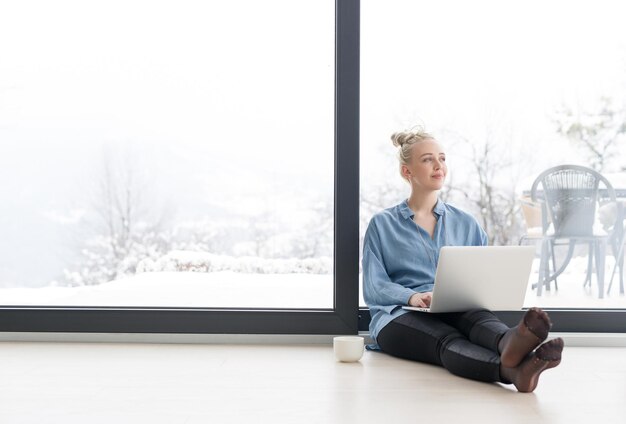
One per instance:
(405, 172)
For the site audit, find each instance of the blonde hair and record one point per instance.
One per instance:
(405, 140)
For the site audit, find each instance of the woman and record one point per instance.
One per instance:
(400, 255)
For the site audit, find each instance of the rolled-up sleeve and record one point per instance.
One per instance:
(378, 289)
(484, 239)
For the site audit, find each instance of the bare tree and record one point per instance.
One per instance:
(262, 228)
(316, 238)
(599, 132)
(490, 191)
(124, 227)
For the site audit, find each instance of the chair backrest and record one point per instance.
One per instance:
(571, 194)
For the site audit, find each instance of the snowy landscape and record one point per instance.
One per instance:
(228, 289)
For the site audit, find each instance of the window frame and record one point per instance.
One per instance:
(563, 320)
(342, 319)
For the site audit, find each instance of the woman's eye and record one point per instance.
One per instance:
(442, 159)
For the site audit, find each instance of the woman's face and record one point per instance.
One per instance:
(427, 169)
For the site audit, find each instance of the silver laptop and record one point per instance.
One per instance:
(491, 277)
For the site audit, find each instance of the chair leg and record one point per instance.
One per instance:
(543, 266)
(620, 269)
(600, 251)
(620, 259)
(589, 265)
(619, 264)
(552, 251)
(546, 281)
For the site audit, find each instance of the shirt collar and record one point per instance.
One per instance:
(406, 211)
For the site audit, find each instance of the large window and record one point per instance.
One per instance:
(177, 167)
(510, 90)
(178, 156)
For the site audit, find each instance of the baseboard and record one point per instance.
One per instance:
(592, 339)
(571, 339)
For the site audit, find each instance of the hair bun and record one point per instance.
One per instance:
(400, 138)
(412, 136)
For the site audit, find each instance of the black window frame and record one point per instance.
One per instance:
(342, 319)
(563, 320)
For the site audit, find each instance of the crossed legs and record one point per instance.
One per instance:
(476, 345)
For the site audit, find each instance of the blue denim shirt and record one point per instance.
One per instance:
(400, 258)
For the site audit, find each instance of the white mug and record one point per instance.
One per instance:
(348, 348)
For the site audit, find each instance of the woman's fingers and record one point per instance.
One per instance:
(424, 300)
(421, 300)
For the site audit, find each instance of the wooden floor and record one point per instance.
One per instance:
(163, 383)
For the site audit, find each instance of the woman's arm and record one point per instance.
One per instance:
(378, 289)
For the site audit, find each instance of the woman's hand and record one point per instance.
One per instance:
(421, 300)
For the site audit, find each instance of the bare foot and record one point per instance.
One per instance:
(519, 341)
(525, 377)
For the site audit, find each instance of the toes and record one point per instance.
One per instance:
(538, 322)
(545, 318)
(550, 351)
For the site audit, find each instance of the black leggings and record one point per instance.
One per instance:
(464, 343)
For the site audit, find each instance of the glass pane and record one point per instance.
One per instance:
(510, 91)
(167, 153)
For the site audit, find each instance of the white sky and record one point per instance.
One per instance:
(485, 67)
(217, 83)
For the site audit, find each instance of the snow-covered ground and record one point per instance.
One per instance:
(226, 289)
(188, 289)
(571, 293)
